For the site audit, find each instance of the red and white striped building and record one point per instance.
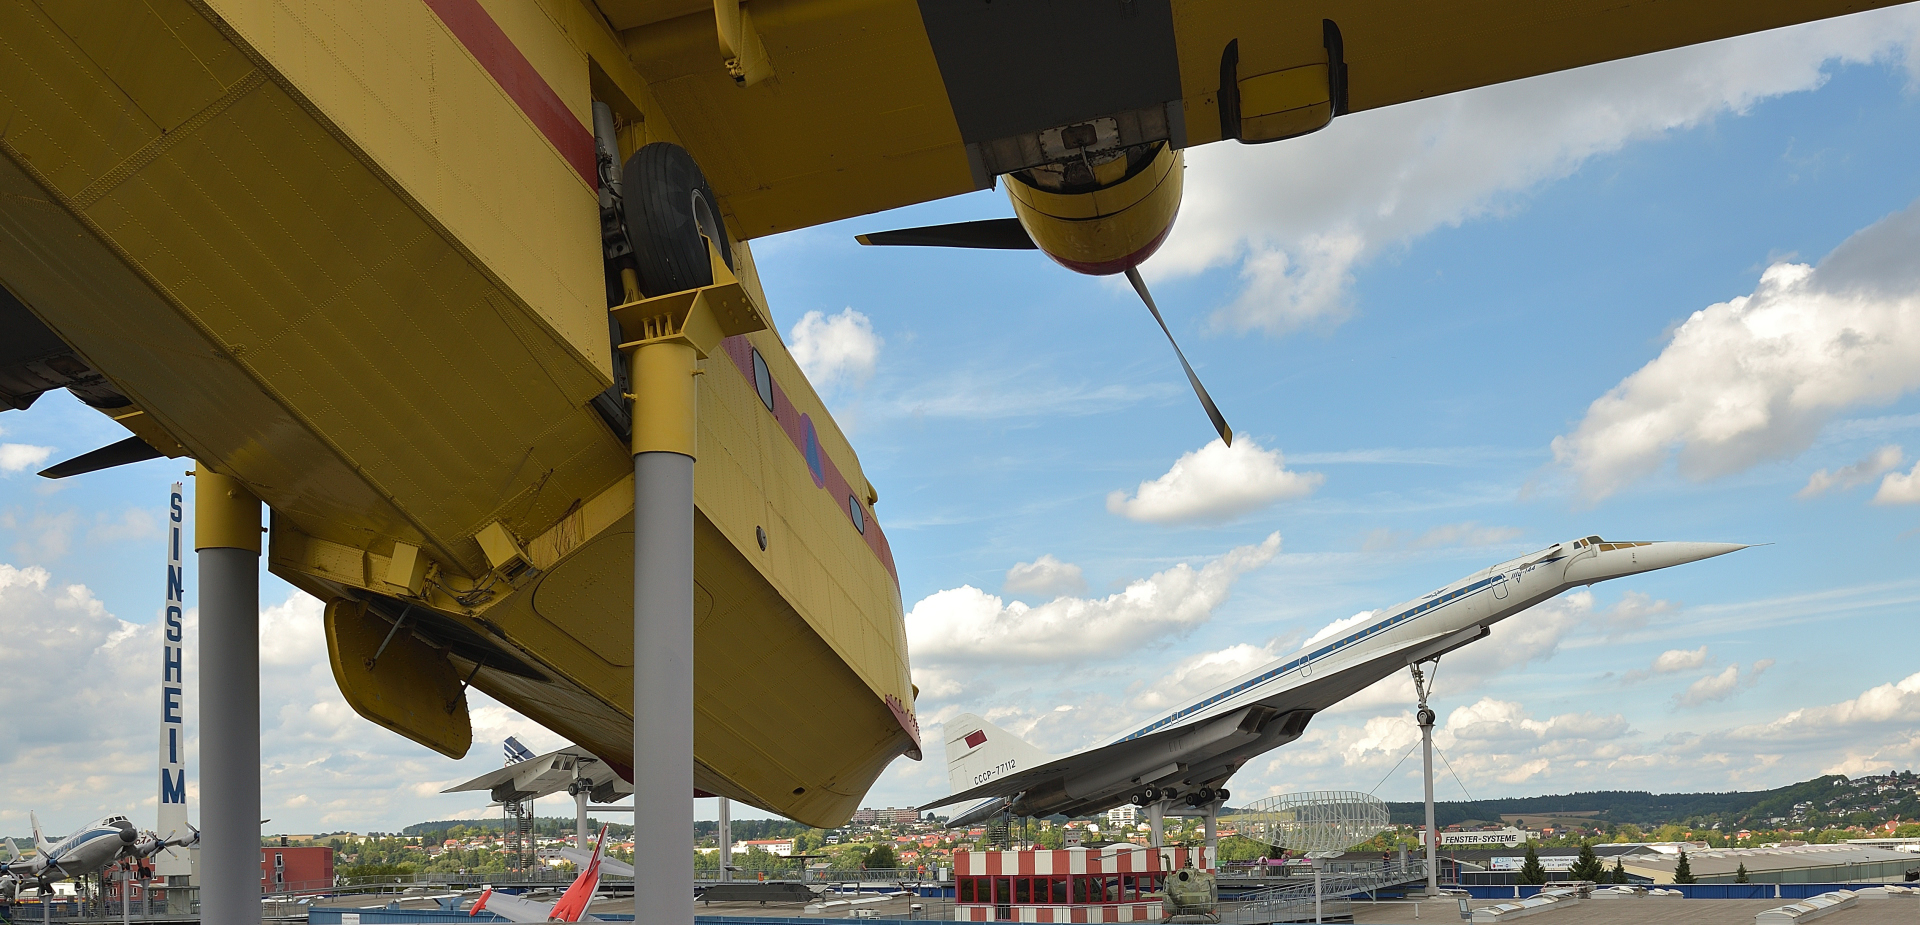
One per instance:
(1108, 884)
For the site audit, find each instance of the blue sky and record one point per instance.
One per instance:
(1446, 333)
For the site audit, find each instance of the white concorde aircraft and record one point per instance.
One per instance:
(1188, 754)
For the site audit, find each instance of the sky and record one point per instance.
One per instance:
(1667, 298)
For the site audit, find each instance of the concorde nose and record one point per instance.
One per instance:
(1614, 560)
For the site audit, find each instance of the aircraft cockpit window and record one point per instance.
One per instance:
(859, 516)
(763, 380)
(1595, 539)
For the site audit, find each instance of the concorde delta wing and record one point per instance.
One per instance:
(1111, 771)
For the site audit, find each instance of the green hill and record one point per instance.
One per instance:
(1832, 798)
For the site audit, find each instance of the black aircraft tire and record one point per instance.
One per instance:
(667, 202)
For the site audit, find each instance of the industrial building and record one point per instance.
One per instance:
(295, 868)
(1655, 863)
(1797, 864)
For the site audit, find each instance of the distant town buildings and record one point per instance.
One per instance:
(778, 847)
(1124, 815)
(889, 816)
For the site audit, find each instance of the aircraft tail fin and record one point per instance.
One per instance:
(979, 751)
(40, 842)
(515, 752)
(572, 905)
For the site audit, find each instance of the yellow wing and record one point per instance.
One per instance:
(863, 105)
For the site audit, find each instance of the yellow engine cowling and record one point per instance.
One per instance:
(1105, 229)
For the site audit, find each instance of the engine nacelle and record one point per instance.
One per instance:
(1104, 217)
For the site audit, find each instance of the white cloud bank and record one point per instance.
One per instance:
(1756, 377)
(1669, 662)
(1900, 487)
(1860, 473)
(324, 768)
(968, 623)
(837, 347)
(1720, 685)
(17, 457)
(1298, 218)
(1046, 576)
(1214, 483)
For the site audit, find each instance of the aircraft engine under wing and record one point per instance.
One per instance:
(1195, 749)
(1192, 755)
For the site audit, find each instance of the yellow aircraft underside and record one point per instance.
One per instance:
(348, 252)
(325, 254)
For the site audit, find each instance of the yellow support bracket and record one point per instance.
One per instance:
(670, 334)
(699, 318)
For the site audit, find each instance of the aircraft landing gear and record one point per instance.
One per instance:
(669, 207)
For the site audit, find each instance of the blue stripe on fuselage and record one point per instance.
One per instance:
(1417, 610)
(74, 844)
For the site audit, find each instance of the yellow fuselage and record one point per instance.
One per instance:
(335, 252)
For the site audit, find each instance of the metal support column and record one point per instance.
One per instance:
(1425, 717)
(724, 838)
(1317, 864)
(663, 449)
(1156, 823)
(1213, 830)
(226, 534)
(582, 789)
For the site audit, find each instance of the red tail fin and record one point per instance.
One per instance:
(573, 903)
(481, 903)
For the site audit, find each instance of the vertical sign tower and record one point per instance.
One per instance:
(173, 862)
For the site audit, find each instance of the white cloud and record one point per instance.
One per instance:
(1900, 487)
(16, 457)
(1894, 703)
(324, 768)
(1668, 662)
(1045, 576)
(1298, 218)
(1756, 377)
(1723, 684)
(1712, 687)
(1855, 475)
(1215, 482)
(835, 347)
(1490, 741)
(966, 622)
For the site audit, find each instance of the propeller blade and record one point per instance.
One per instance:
(130, 450)
(1003, 234)
(1206, 401)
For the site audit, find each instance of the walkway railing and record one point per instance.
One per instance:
(1293, 902)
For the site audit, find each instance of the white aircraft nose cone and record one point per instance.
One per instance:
(1627, 559)
(1665, 554)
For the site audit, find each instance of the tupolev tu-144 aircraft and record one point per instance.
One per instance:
(1187, 755)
